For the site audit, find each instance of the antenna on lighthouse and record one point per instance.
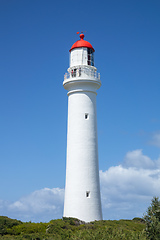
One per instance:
(81, 32)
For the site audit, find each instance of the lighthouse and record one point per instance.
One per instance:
(82, 188)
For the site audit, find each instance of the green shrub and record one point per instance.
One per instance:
(74, 229)
(6, 223)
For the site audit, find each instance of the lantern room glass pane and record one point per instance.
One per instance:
(90, 57)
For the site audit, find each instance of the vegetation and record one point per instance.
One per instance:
(152, 219)
(74, 229)
(71, 228)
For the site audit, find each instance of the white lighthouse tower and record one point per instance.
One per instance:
(82, 189)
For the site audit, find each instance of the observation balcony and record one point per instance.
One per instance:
(78, 73)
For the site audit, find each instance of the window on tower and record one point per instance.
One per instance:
(88, 194)
(86, 116)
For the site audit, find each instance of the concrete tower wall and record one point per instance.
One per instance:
(82, 192)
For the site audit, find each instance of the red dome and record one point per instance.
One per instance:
(82, 43)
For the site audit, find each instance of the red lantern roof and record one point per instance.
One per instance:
(81, 43)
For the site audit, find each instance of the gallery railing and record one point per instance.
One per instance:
(82, 72)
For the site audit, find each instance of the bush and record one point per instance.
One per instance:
(6, 223)
(74, 229)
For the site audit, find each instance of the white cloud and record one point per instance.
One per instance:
(156, 139)
(127, 190)
(137, 159)
(41, 205)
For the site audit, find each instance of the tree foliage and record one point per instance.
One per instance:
(152, 218)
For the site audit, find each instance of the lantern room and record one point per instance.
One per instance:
(81, 53)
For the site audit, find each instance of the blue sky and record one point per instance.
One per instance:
(34, 55)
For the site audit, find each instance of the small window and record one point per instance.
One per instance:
(88, 194)
(86, 116)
